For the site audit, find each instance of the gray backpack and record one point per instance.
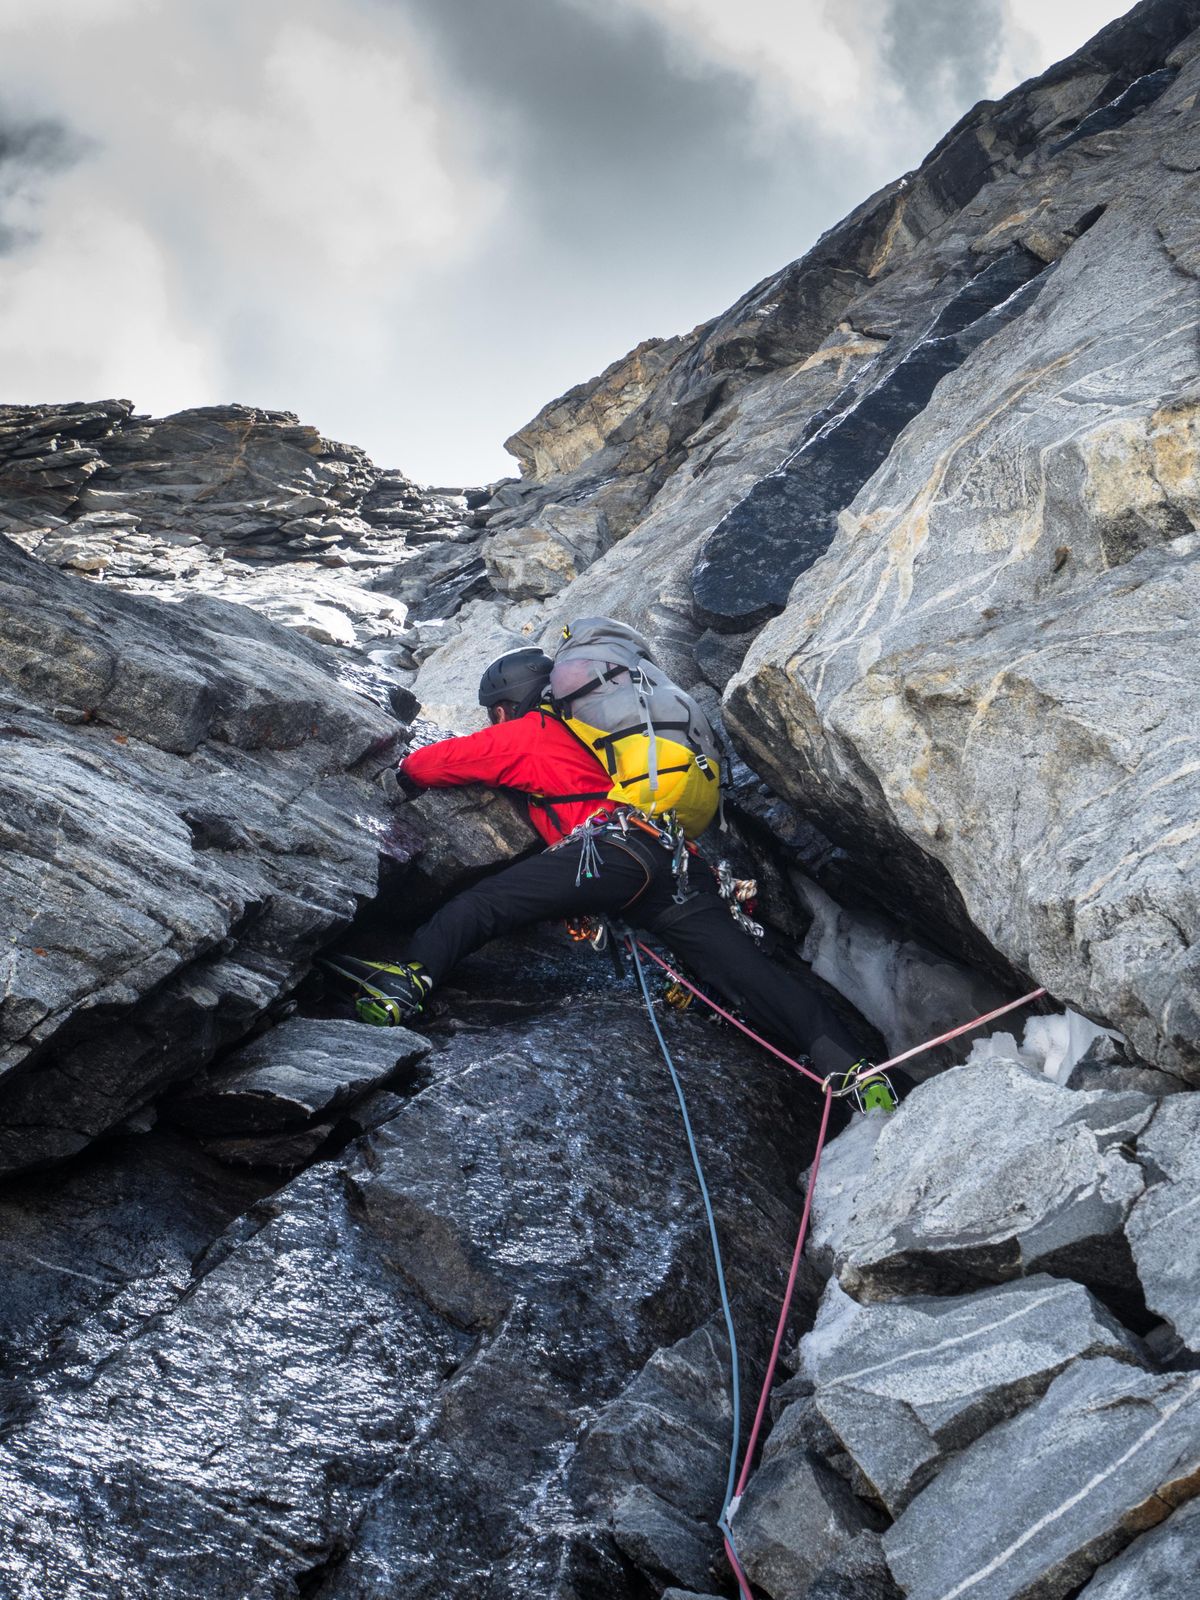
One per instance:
(655, 741)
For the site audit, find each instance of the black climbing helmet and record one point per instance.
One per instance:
(520, 679)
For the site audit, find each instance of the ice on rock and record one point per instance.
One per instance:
(1050, 1045)
(908, 991)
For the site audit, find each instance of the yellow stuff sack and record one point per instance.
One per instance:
(685, 781)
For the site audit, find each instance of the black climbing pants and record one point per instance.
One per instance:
(636, 884)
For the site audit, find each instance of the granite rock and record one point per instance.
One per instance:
(1104, 1455)
(793, 1520)
(1162, 1226)
(1163, 1564)
(1040, 1182)
(987, 592)
(902, 1386)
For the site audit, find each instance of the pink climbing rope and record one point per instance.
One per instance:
(780, 1329)
(944, 1038)
(802, 1232)
(677, 977)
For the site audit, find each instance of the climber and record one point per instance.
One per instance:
(593, 867)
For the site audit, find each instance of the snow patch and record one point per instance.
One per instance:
(1051, 1045)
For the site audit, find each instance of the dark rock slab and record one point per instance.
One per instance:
(1164, 1226)
(1115, 113)
(794, 1519)
(748, 564)
(859, 1571)
(904, 1385)
(376, 1381)
(667, 1437)
(295, 1074)
(1163, 1564)
(662, 1540)
(991, 1172)
(92, 1250)
(1036, 1505)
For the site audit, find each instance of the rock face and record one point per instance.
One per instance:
(905, 1385)
(1116, 1449)
(795, 1517)
(275, 1101)
(1163, 1564)
(376, 1379)
(182, 832)
(1162, 1224)
(748, 564)
(945, 1209)
(923, 508)
(989, 587)
(954, 448)
(238, 502)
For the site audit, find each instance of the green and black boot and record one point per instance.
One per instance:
(386, 995)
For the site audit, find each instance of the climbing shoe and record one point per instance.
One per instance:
(385, 995)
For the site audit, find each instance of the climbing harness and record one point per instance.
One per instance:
(739, 894)
(872, 1090)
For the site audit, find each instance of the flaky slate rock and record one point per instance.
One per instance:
(1163, 1564)
(1164, 1226)
(182, 832)
(991, 1172)
(904, 1385)
(794, 1518)
(303, 1070)
(1036, 1505)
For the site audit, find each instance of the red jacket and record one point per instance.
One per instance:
(535, 754)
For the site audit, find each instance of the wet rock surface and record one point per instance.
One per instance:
(183, 831)
(379, 1373)
(1115, 1451)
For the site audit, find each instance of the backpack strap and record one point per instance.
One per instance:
(597, 682)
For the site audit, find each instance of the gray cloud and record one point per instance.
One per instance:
(415, 221)
(31, 152)
(942, 53)
(610, 130)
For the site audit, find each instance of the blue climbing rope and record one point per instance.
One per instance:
(735, 1387)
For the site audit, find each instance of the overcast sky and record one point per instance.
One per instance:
(413, 222)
